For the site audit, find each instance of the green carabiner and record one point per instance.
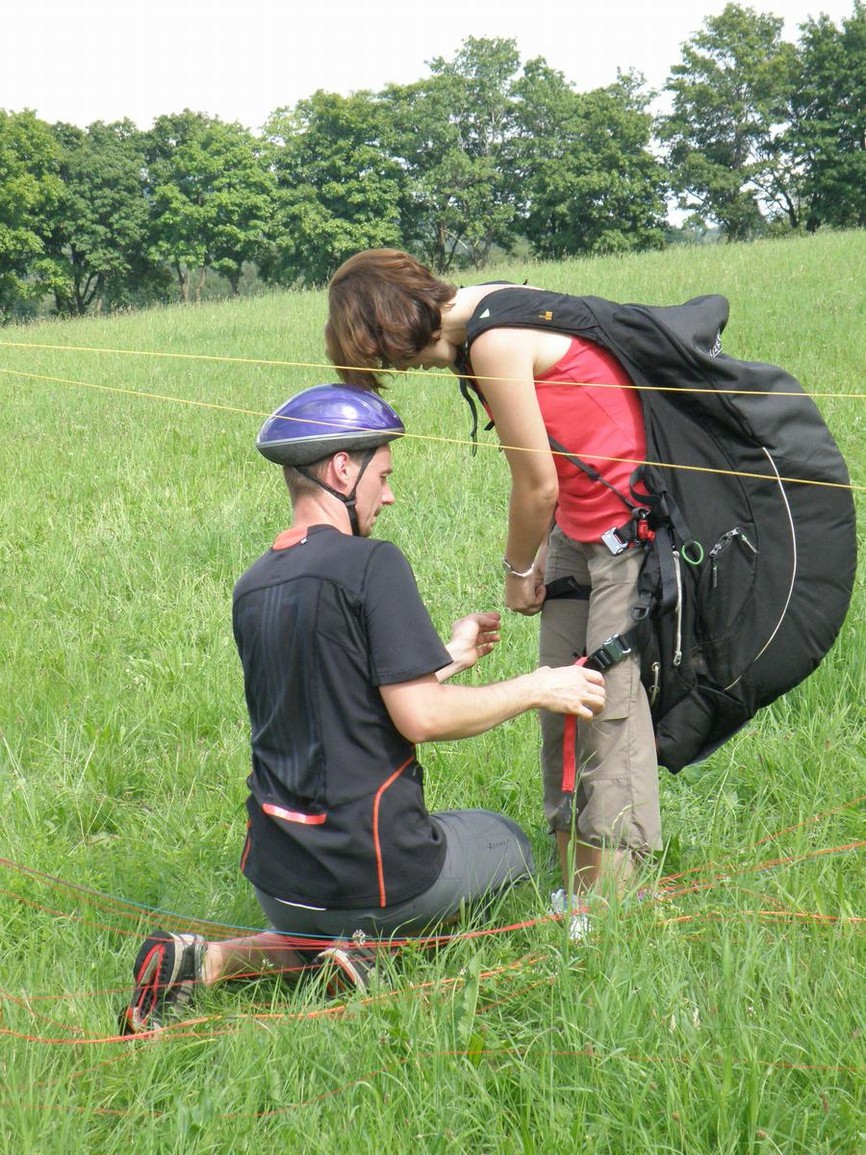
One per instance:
(698, 550)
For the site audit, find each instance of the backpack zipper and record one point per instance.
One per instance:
(740, 534)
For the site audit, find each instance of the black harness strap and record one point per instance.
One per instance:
(592, 473)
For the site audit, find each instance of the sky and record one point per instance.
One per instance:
(110, 59)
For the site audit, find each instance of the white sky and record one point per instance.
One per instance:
(109, 59)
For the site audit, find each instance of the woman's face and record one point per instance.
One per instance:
(439, 354)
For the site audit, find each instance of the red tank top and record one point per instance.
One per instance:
(603, 426)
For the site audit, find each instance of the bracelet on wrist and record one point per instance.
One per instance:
(509, 569)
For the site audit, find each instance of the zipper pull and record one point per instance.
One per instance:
(653, 691)
(721, 543)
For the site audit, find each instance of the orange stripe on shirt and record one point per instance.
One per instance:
(290, 537)
(293, 815)
(377, 844)
(245, 853)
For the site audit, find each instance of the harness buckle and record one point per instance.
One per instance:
(634, 533)
(611, 652)
(613, 541)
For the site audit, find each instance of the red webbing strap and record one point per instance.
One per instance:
(569, 753)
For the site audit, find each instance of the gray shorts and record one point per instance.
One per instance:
(485, 853)
(616, 796)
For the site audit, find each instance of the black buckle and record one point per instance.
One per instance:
(610, 653)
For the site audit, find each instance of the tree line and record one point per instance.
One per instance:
(759, 136)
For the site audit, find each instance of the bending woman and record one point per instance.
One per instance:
(387, 311)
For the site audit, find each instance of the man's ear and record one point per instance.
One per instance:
(340, 466)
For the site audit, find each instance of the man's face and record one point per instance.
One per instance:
(374, 491)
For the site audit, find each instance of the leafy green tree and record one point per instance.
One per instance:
(211, 197)
(30, 192)
(828, 131)
(725, 144)
(338, 190)
(99, 240)
(584, 173)
(450, 133)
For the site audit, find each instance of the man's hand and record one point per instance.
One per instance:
(570, 690)
(472, 638)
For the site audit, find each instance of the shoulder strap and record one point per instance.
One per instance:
(591, 473)
(518, 307)
(521, 308)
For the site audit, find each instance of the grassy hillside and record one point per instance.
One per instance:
(728, 1017)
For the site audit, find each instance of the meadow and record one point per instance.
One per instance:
(725, 1012)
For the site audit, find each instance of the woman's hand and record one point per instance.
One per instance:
(525, 595)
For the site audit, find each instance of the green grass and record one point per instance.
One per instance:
(729, 1018)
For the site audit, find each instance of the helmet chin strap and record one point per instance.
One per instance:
(348, 499)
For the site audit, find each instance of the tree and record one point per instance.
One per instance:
(731, 98)
(211, 196)
(828, 132)
(99, 239)
(584, 174)
(450, 132)
(338, 190)
(30, 192)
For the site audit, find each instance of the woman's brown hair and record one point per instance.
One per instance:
(383, 309)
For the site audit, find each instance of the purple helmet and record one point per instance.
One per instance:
(323, 419)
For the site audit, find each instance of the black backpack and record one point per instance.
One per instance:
(748, 533)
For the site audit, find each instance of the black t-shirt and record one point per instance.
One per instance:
(336, 806)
